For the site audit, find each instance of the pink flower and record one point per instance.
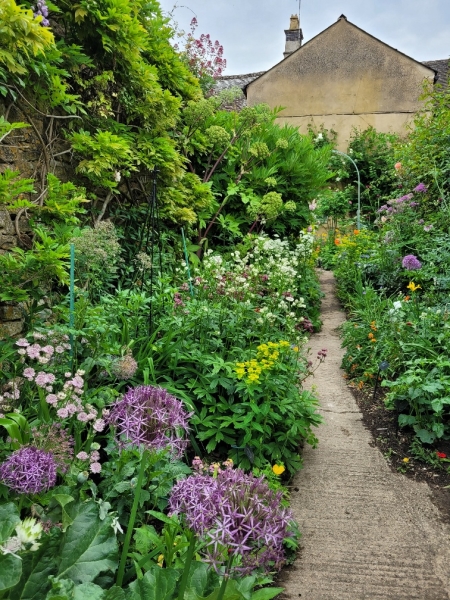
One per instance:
(22, 342)
(96, 467)
(92, 416)
(83, 417)
(41, 379)
(95, 456)
(29, 373)
(99, 425)
(52, 399)
(77, 381)
(62, 413)
(59, 350)
(71, 408)
(82, 455)
(34, 351)
(48, 350)
(67, 374)
(398, 166)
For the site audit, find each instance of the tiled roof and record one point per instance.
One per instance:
(442, 70)
(227, 82)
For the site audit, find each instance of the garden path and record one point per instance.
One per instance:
(368, 533)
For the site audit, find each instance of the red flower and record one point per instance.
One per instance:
(441, 455)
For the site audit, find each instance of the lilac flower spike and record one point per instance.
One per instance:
(411, 263)
(421, 188)
(42, 11)
(29, 470)
(150, 417)
(237, 514)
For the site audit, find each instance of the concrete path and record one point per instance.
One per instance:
(368, 533)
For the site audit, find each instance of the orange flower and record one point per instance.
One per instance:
(337, 241)
(398, 166)
(406, 298)
(373, 340)
(360, 385)
(373, 326)
(356, 231)
(370, 336)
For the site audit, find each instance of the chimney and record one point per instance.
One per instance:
(294, 36)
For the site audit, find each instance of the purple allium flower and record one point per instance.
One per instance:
(29, 470)
(234, 513)
(421, 188)
(149, 416)
(411, 263)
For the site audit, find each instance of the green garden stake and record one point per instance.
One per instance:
(72, 301)
(186, 257)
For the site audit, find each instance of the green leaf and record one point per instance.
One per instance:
(10, 571)
(9, 518)
(266, 593)
(62, 500)
(89, 546)
(36, 568)
(157, 584)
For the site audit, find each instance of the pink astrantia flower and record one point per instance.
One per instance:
(82, 455)
(62, 413)
(96, 467)
(83, 417)
(99, 425)
(52, 399)
(29, 373)
(22, 342)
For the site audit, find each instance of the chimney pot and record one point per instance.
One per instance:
(294, 36)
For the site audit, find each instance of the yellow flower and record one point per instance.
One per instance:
(406, 460)
(370, 336)
(160, 560)
(295, 349)
(412, 286)
(278, 469)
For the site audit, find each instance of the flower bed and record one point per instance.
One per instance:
(100, 424)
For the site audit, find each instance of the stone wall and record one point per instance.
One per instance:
(23, 151)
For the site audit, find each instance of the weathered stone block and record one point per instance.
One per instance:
(10, 312)
(7, 241)
(10, 329)
(6, 225)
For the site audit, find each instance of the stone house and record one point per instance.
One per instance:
(342, 78)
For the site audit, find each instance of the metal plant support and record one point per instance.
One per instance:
(358, 213)
(150, 238)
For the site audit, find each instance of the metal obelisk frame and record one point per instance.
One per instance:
(150, 238)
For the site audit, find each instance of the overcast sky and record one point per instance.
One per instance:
(252, 31)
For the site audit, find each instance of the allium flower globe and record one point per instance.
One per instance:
(411, 263)
(29, 470)
(150, 417)
(234, 514)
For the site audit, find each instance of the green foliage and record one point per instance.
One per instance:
(424, 155)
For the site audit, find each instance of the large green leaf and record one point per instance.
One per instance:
(36, 568)
(157, 584)
(9, 518)
(89, 546)
(10, 571)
